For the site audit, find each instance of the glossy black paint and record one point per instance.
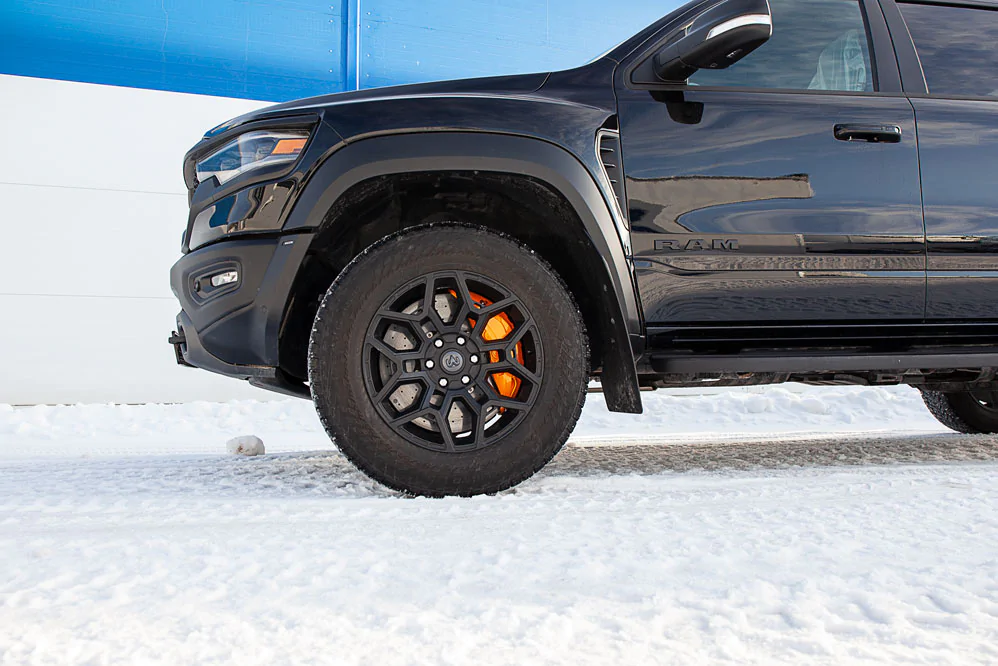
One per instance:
(259, 200)
(517, 128)
(825, 229)
(784, 210)
(958, 144)
(236, 333)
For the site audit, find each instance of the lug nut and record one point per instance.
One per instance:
(460, 341)
(474, 358)
(443, 382)
(466, 379)
(439, 343)
(429, 364)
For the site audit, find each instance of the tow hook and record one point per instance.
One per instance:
(179, 341)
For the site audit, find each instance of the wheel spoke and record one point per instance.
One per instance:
(480, 429)
(401, 317)
(505, 345)
(443, 423)
(492, 395)
(429, 306)
(398, 379)
(406, 417)
(472, 404)
(485, 314)
(518, 332)
(515, 368)
(467, 302)
(399, 357)
(427, 396)
(498, 306)
(462, 289)
(506, 403)
(478, 411)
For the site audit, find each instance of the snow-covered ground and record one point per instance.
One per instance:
(810, 526)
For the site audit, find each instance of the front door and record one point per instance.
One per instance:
(958, 146)
(784, 189)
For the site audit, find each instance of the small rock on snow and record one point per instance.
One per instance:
(249, 445)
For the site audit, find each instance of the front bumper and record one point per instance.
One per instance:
(234, 329)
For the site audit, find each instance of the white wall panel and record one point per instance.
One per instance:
(93, 209)
(103, 137)
(85, 242)
(70, 349)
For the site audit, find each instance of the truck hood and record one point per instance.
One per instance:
(522, 84)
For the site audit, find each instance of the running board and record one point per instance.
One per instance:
(829, 362)
(903, 337)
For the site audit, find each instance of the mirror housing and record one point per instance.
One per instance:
(717, 38)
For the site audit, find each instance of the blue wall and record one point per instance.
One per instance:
(280, 50)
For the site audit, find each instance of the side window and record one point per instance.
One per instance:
(816, 45)
(957, 47)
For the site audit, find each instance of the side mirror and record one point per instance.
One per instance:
(717, 38)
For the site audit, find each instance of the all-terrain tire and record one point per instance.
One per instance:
(341, 342)
(961, 412)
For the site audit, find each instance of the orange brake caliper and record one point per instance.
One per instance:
(497, 328)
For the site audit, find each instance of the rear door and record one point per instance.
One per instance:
(749, 203)
(956, 108)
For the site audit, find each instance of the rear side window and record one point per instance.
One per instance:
(816, 45)
(957, 47)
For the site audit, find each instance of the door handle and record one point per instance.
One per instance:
(869, 133)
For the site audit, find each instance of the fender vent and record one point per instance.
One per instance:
(608, 147)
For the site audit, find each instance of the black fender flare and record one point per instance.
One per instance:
(392, 154)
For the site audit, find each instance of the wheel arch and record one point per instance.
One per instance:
(359, 177)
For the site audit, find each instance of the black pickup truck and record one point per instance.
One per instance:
(746, 192)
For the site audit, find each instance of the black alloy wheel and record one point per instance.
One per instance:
(986, 399)
(452, 361)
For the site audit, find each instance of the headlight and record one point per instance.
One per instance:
(251, 151)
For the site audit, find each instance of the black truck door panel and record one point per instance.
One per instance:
(780, 202)
(759, 213)
(958, 149)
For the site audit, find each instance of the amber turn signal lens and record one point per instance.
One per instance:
(288, 147)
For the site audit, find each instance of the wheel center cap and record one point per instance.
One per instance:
(452, 361)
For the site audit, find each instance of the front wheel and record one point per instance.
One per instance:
(448, 360)
(970, 412)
